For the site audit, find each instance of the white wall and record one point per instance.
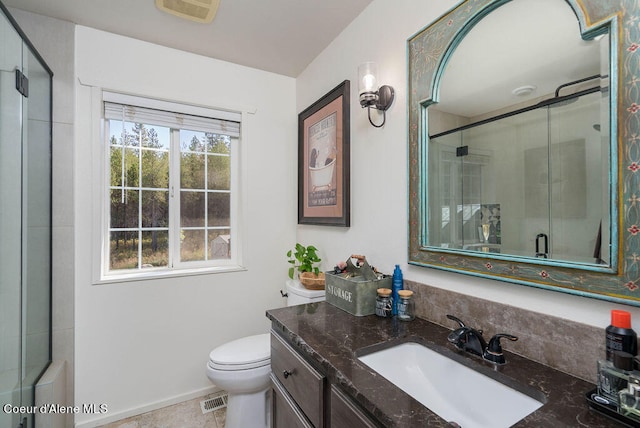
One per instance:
(145, 344)
(379, 165)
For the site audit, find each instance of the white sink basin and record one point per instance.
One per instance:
(453, 391)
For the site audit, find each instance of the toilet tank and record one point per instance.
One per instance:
(298, 295)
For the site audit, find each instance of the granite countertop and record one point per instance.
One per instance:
(332, 339)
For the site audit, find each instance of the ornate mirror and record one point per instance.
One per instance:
(523, 141)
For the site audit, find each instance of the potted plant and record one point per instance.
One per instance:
(305, 260)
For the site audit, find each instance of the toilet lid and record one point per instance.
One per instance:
(245, 353)
(295, 287)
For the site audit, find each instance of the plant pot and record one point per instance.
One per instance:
(311, 281)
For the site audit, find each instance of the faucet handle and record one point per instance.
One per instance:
(493, 352)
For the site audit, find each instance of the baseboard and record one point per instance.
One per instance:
(113, 417)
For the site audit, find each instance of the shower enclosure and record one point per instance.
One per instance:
(25, 222)
(533, 183)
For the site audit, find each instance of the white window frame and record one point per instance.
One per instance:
(176, 267)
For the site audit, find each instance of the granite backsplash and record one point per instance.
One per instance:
(564, 345)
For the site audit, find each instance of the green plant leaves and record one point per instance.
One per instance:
(303, 259)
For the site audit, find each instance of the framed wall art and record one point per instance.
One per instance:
(324, 160)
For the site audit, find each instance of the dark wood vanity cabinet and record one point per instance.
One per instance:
(284, 411)
(297, 383)
(302, 396)
(345, 413)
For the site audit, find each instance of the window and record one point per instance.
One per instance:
(171, 200)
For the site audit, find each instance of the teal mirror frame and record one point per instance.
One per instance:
(428, 53)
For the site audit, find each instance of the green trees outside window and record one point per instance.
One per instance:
(148, 186)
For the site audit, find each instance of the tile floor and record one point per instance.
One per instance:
(182, 415)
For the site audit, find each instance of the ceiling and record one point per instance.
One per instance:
(280, 36)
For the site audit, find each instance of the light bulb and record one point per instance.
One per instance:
(369, 82)
(367, 78)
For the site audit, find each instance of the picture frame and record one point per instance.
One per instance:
(324, 160)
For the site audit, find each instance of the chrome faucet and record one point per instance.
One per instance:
(470, 340)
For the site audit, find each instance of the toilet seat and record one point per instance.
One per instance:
(242, 354)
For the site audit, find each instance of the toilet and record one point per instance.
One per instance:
(298, 295)
(242, 367)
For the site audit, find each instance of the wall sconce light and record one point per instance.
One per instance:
(370, 95)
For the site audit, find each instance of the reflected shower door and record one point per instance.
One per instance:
(579, 196)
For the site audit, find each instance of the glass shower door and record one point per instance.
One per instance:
(25, 223)
(10, 223)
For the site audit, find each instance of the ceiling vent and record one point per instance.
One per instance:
(195, 10)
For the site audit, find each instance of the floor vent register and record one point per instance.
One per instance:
(214, 403)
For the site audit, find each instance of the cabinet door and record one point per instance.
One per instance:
(303, 383)
(345, 414)
(284, 412)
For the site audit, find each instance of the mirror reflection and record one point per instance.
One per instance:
(519, 139)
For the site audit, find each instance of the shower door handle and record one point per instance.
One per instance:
(546, 245)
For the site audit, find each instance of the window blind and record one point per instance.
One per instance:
(174, 119)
